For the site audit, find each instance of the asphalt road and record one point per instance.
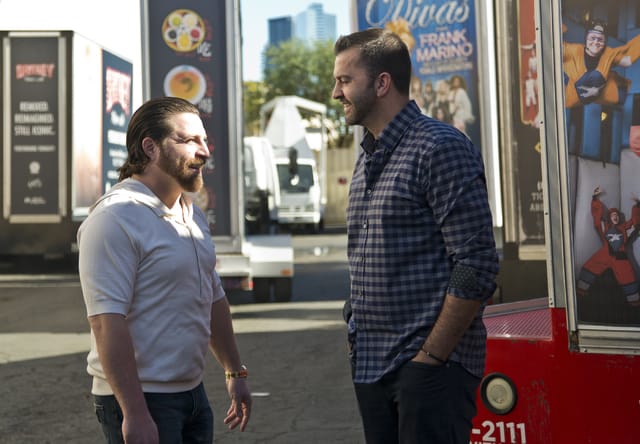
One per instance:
(295, 353)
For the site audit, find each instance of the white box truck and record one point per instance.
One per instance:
(301, 175)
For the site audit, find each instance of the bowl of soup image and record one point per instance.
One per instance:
(185, 82)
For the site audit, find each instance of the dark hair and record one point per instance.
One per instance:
(152, 119)
(380, 51)
(461, 82)
(596, 25)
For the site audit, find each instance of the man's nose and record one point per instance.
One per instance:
(203, 150)
(337, 91)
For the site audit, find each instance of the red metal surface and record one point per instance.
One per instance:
(532, 324)
(563, 396)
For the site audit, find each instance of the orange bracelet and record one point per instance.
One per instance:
(243, 373)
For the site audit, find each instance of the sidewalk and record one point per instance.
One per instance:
(295, 353)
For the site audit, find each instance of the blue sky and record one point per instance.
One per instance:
(256, 13)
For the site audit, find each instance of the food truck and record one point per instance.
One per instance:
(558, 123)
(67, 100)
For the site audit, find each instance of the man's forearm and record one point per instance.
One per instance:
(117, 357)
(222, 341)
(454, 319)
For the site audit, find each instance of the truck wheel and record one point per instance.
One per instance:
(261, 290)
(282, 289)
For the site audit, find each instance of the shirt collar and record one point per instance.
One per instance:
(139, 192)
(393, 132)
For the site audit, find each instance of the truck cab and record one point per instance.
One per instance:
(300, 160)
(299, 189)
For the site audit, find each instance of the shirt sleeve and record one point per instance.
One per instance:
(218, 291)
(107, 265)
(457, 193)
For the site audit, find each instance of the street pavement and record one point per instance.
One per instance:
(295, 352)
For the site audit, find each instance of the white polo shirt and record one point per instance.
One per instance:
(155, 266)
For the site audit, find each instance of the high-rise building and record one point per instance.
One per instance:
(313, 24)
(280, 30)
(310, 25)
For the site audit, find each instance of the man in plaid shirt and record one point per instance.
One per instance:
(421, 251)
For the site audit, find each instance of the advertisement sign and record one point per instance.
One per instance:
(34, 128)
(442, 38)
(102, 96)
(526, 132)
(188, 59)
(86, 176)
(601, 48)
(117, 75)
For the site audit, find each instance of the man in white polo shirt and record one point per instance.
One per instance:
(154, 301)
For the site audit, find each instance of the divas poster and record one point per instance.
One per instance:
(442, 39)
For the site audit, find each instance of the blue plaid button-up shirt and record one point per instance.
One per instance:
(419, 227)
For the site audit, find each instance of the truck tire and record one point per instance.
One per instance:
(282, 289)
(261, 290)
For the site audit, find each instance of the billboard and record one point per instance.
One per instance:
(601, 48)
(102, 111)
(34, 127)
(187, 54)
(525, 107)
(116, 112)
(443, 41)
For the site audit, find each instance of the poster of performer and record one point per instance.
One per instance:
(528, 65)
(601, 47)
(525, 127)
(442, 39)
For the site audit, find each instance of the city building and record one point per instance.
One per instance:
(280, 30)
(310, 25)
(313, 24)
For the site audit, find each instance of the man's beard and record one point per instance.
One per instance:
(181, 171)
(361, 106)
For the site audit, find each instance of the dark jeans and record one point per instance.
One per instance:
(419, 403)
(181, 418)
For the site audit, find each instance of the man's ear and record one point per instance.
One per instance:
(150, 148)
(383, 84)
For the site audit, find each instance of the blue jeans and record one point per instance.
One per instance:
(181, 418)
(419, 404)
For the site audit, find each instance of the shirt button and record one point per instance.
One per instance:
(368, 191)
(364, 225)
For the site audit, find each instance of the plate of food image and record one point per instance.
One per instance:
(183, 30)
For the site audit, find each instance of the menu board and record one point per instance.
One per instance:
(188, 59)
(34, 126)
